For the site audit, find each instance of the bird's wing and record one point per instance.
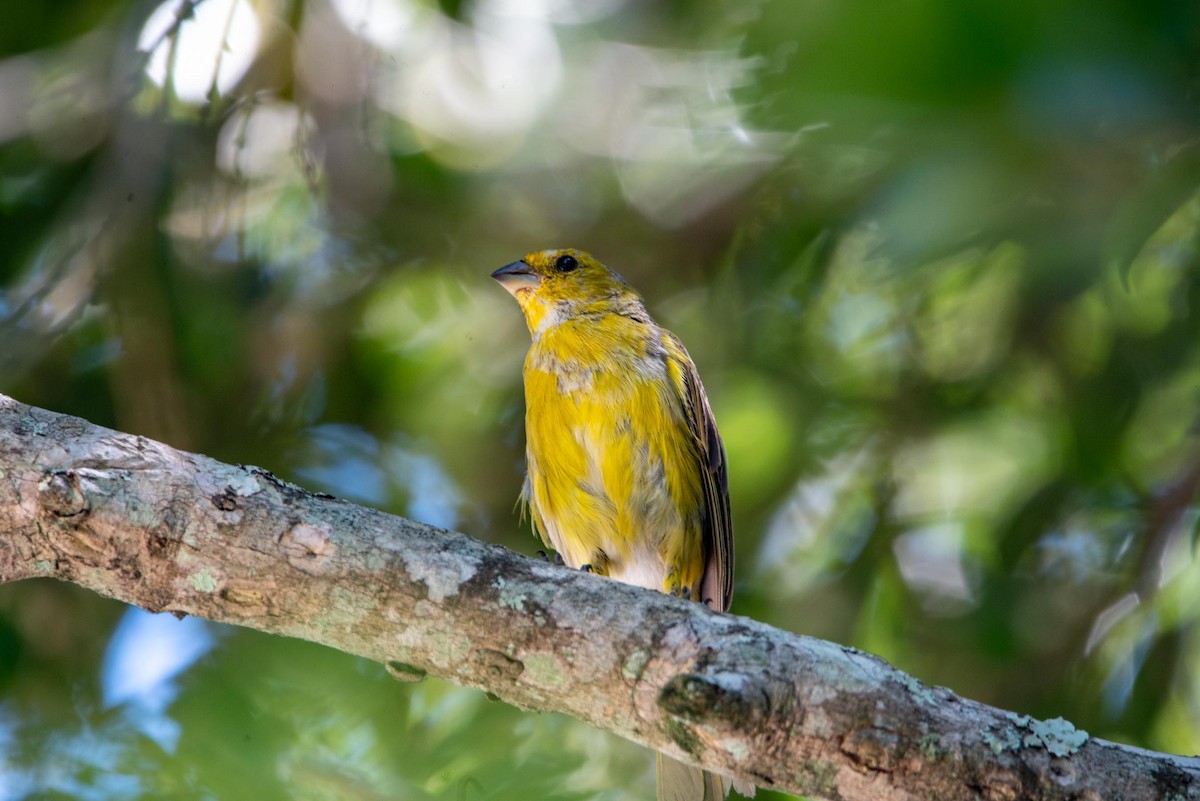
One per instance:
(716, 587)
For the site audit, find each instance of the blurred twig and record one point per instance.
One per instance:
(1163, 512)
(185, 11)
(213, 93)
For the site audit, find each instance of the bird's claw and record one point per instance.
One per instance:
(555, 559)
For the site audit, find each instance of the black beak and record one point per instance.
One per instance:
(515, 276)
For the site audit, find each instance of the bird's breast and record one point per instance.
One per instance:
(611, 464)
(607, 355)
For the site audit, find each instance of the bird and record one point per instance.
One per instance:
(626, 473)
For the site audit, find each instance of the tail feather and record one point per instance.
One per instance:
(680, 782)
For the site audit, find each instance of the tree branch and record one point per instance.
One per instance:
(171, 531)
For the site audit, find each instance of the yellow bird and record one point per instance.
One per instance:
(626, 472)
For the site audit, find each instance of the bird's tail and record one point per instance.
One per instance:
(680, 782)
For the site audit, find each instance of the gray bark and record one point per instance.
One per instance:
(170, 531)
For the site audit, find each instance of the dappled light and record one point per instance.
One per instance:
(201, 48)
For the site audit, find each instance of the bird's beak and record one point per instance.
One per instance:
(516, 276)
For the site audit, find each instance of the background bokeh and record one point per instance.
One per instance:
(937, 262)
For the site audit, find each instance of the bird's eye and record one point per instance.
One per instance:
(564, 264)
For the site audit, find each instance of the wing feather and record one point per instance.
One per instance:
(717, 525)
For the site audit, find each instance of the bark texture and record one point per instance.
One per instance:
(176, 532)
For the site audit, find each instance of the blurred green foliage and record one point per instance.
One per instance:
(937, 262)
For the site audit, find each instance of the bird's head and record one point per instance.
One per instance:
(556, 285)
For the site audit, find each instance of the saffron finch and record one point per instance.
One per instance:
(626, 472)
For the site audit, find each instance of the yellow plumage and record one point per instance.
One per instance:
(626, 472)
